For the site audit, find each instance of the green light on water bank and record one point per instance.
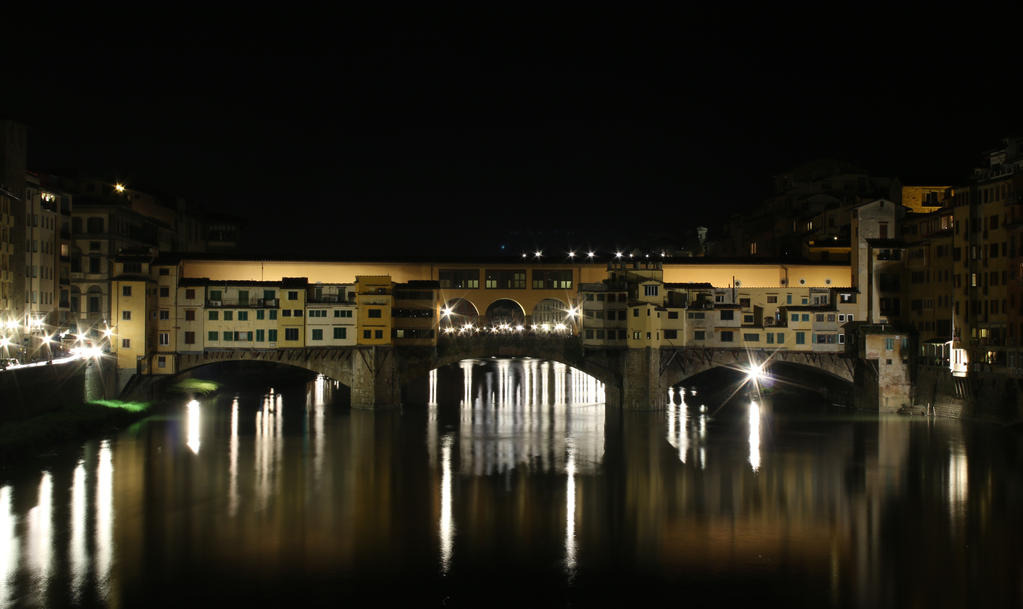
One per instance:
(129, 406)
(196, 386)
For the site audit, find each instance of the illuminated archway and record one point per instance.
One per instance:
(458, 312)
(551, 311)
(505, 311)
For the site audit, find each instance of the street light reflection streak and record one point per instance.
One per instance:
(78, 554)
(40, 540)
(570, 542)
(232, 506)
(754, 436)
(104, 518)
(446, 526)
(192, 409)
(9, 549)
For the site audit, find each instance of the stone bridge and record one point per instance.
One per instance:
(633, 378)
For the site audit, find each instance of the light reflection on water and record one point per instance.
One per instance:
(517, 468)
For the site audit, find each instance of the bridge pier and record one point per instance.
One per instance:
(642, 386)
(375, 379)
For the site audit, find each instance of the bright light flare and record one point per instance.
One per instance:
(755, 373)
(618, 254)
(590, 254)
(538, 253)
(571, 254)
(119, 187)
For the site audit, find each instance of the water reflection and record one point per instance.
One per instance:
(104, 518)
(446, 526)
(517, 484)
(9, 547)
(79, 515)
(39, 550)
(192, 409)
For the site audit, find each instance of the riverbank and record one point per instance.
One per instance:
(26, 438)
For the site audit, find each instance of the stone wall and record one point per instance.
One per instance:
(27, 392)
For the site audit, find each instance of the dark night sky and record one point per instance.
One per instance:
(475, 130)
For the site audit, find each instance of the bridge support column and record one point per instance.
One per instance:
(375, 382)
(641, 380)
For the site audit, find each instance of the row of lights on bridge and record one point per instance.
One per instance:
(590, 255)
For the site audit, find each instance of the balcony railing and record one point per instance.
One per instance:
(260, 303)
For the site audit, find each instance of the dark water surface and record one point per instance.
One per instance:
(261, 499)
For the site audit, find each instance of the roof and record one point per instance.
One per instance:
(689, 286)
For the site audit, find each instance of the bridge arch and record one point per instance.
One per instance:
(457, 312)
(835, 368)
(505, 311)
(550, 311)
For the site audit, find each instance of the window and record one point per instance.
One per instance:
(213, 336)
(126, 343)
(727, 315)
(126, 315)
(800, 338)
(889, 344)
(273, 313)
(670, 334)
(770, 338)
(189, 314)
(374, 313)
(260, 336)
(772, 299)
(243, 316)
(293, 295)
(819, 317)
(635, 335)
(298, 312)
(552, 280)
(341, 333)
(506, 280)
(788, 299)
(216, 295)
(214, 315)
(849, 317)
(806, 317)
(291, 334)
(699, 334)
(751, 338)
(268, 295)
(695, 315)
(841, 339)
(94, 264)
(164, 338)
(459, 279)
(190, 293)
(126, 290)
(367, 334)
(747, 319)
(285, 312)
(164, 314)
(228, 336)
(781, 338)
(378, 334)
(342, 313)
(841, 317)
(164, 292)
(672, 314)
(744, 303)
(189, 338)
(650, 290)
(260, 314)
(318, 334)
(635, 312)
(228, 315)
(726, 336)
(271, 336)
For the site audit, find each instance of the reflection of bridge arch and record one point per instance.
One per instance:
(505, 311)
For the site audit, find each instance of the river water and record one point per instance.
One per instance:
(499, 496)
